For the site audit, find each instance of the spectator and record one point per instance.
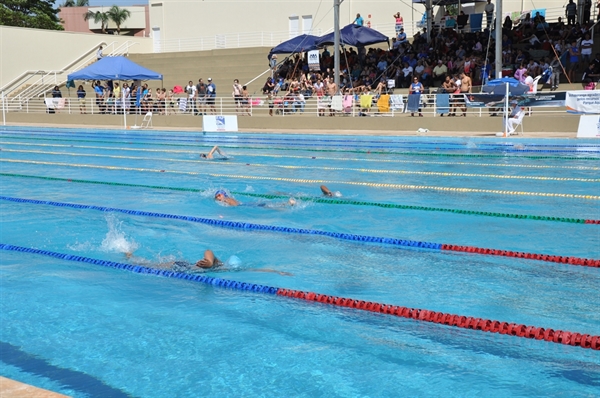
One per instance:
(402, 37)
(520, 73)
(56, 92)
(556, 68)
(246, 100)
(489, 13)
(81, 98)
(201, 94)
(571, 12)
(359, 21)
(99, 54)
(586, 45)
(574, 60)
(237, 95)
(299, 102)
(399, 22)
(211, 94)
(439, 72)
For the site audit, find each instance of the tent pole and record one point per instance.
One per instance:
(336, 39)
(123, 107)
(429, 18)
(505, 118)
(498, 39)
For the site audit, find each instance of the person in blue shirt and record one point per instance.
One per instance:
(211, 94)
(359, 21)
(81, 97)
(402, 36)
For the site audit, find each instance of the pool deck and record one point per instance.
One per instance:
(15, 389)
(553, 125)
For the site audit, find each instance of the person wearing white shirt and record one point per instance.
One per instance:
(586, 45)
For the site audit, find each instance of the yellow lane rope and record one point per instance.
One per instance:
(531, 166)
(360, 170)
(307, 181)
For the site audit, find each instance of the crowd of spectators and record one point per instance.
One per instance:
(530, 47)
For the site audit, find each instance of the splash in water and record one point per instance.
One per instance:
(115, 239)
(471, 145)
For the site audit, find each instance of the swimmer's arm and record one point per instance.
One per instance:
(208, 261)
(231, 202)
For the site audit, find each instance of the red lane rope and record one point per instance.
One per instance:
(461, 321)
(592, 221)
(588, 262)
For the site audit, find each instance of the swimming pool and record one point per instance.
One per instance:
(86, 330)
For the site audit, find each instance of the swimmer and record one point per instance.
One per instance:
(221, 196)
(212, 152)
(327, 192)
(208, 262)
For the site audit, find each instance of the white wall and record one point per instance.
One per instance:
(35, 49)
(184, 19)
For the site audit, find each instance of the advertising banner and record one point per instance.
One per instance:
(313, 60)
(589, 127)
(219, 123)
(583, 101)
(529, 100)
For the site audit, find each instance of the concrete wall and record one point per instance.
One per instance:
(181, 19)
(35, 49)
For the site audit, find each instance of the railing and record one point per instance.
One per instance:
(258, 106)
(58, 77)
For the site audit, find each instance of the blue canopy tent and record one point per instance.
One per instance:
(115, 68)
(354, 35)
(498, 86)
(297, 44)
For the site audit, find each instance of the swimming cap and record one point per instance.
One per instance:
(222, 192)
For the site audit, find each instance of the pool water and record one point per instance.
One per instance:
(85, 330)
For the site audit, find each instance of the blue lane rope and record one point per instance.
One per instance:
(244, 138)
(139, 269)
(237, 224)
(352, 145)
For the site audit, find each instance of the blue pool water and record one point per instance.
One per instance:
(84, 330)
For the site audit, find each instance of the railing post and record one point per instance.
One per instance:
(221, 105)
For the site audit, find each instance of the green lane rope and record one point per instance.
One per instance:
(318, 200)
(532, 166)
(456, 155)
(291, 167)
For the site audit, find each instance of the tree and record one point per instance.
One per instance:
(118, 16)
(38, 14)
(76, 3)
(98, 16)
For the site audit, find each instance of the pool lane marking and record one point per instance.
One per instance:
(315, 150)
(533, 166)
(214, 140)
(461, 321)
(307, 181)
(293, 167)
(325, 200)
(245, 226)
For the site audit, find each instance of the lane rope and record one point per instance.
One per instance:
(325, 200)
(294, 167)
(351, 144)
(417, 314)
(307, 181)
(534, 166)
(267, 148)
(251, 137)
(244, 226)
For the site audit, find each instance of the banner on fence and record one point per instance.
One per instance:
(529, 100)
(219, 123)
(313, 60)
(589, 126)
(583, 101)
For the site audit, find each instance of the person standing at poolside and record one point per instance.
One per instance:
(211, 94)
(466, 87)
(81, 97)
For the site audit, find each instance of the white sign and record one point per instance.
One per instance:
(313, 60)
(219, 123)
(583, 101)
(589, 126)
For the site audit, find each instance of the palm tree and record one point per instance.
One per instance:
(98, 16)
(118, 16)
